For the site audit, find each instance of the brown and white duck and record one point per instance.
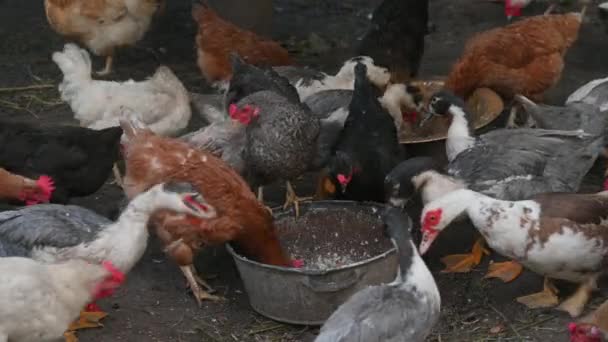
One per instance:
(558, 235)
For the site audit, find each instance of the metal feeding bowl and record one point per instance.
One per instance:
(344, 249)
(484, 104)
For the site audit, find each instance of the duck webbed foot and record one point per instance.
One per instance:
(462, 263)
(575, 304)
(506, 271)
(545, 299)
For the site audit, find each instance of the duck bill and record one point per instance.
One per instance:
(427, 241)
(426, 116)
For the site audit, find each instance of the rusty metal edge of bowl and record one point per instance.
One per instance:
(280, 210)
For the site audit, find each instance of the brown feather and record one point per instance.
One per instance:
(151, 159)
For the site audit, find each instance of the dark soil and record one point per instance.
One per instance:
(155, 305)
(333, 237)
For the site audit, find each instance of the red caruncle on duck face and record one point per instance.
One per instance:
(429, 232)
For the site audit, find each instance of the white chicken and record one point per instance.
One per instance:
(161, 102)
(38, 301)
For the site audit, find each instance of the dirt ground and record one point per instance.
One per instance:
(155, 305)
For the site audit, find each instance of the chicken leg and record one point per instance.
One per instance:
(462, 263)
(108, 68)
(292, 198)
(575, 304)
(195, 283)
(544, 299)
(117, 176)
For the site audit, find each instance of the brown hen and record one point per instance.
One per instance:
(526, 57)
(217, 38)
(151, 159)
(102, 25)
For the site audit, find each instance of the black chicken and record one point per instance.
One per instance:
(367, 149)
(79, 160)
(395, 39)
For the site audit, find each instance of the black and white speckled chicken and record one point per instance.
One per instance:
(276, 136)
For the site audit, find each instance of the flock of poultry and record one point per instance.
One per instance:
(272, 121)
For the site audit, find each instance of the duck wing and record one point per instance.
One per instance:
(516, 164)
(579, 208)
(49, 225)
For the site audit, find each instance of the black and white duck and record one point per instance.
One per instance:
(308, 81)
(508, 164)
(404, 310)
(401, 101)
(558, 235)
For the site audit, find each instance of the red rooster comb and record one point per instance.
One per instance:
(107, 286)
(46, 186)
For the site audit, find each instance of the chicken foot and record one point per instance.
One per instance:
(108, 68)
(261, 198)
(195, 283)
(292, 199)
(575, 304)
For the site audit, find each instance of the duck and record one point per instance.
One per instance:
(308, 81)
(404, 310)
(573, 116)
(508, 164)
(557, 235)
(594, 92)
(56, 233)
(402, 101)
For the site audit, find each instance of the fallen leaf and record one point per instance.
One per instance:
(497, 329)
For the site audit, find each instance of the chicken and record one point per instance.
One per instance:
(396, 37)
(274, 136)
(366, 151)
(241, 218)
(161, 102)
(525, 58)
(39, 300)
(217, 38)
(102, 25)
(77, 159)
(21, 188)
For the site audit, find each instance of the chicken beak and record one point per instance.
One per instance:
(427, 241)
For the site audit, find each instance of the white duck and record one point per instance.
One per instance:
(161, 102)
(558, 235)
(55, 233)
(404, 310)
